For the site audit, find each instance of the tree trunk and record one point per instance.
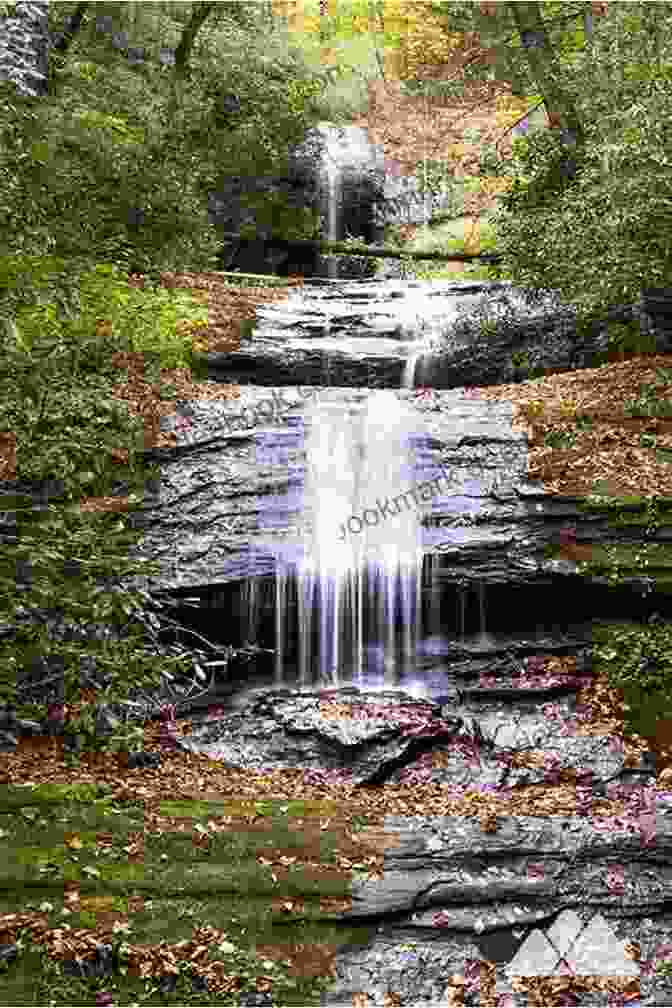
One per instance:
(74, 23)
(561, 112)
(368, 251)
(198, 18)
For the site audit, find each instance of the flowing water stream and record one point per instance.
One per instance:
(359, 579)
(361, 515)
(378, 533)
(357, 597)
(357, 600)
(352, 598)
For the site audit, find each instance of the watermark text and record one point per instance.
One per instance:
(423, 491)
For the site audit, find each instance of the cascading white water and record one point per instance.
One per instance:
(359, 579)
(346, 153)
(250, 600)
(411, 368)
(333, 197)
(482, 637)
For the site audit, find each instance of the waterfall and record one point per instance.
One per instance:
(358, 581)
(333, 202)
(426, 327)
(347, 160)
(250, 605)
(411, 367)
(483, 636)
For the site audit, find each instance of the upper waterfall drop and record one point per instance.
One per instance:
(351, 176)
(412, 366)
(333, 205)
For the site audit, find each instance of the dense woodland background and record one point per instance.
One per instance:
(548, 123)
(147, 107)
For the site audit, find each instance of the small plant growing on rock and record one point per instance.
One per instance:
(627, 338)
(638, 660)
(128, 738)
(520, 359)
(558, 439)
(648, 403)
(488, 328)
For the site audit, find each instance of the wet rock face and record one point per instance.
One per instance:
(354, 334)
(388, 736)
(549, 343)
(230, 497)
(24, 47)
(283, 730)
(390, 333)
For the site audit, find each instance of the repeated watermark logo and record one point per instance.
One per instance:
(373, 516)
(268, 409)
(271, 408)
(571, 948)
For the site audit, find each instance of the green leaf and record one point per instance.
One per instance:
(39, 151)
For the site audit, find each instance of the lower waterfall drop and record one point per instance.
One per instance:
(359, 580)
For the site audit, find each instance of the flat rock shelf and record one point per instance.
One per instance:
(491, 900)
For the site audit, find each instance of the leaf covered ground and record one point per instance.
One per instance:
(200, 870)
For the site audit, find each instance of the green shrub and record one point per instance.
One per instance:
(599, 235)
(434, 176)
(638, 660)
(55, 378)
(115, 164)
(558, 439)
(73, 566)
(141, 320)
(44, 303)
(55, 369)
(629, 338)
(649, 401)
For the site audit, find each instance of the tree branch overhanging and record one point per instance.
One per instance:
(73, 25)
(201, 13)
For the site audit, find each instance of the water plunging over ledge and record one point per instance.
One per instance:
(334, 187)
(359, 577)
(250, 505)
(364, 334)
